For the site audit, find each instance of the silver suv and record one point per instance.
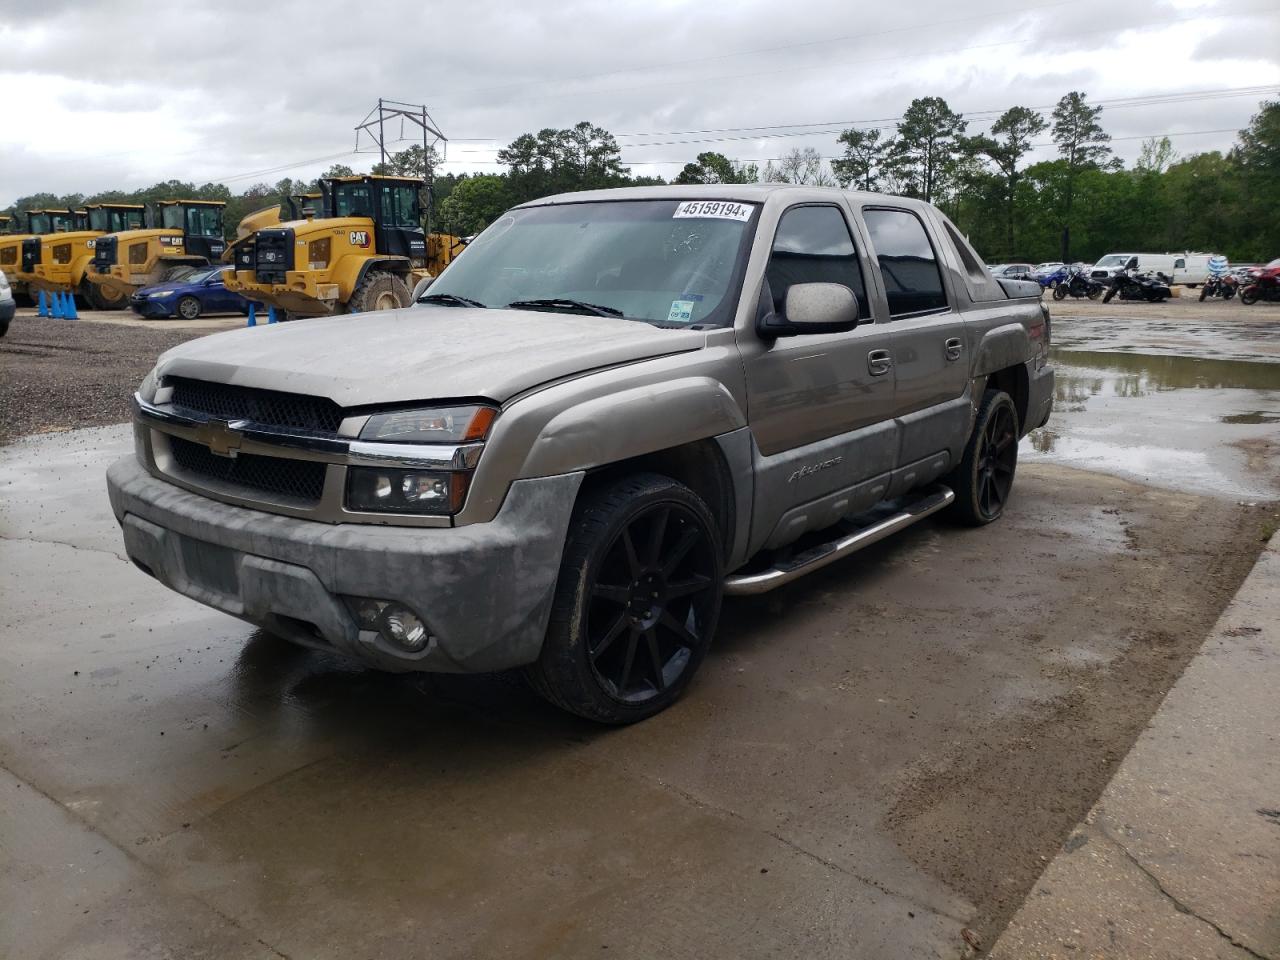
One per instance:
(613, 409)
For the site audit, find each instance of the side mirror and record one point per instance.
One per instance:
(421, 287)
(813, 308)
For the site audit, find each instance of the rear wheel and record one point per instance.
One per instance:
(1108, 295)
(983, 479)
(1095, 292)
(1204, 292)
(1249, 296)
(1060, 292)
(636, 602)
(378, 290)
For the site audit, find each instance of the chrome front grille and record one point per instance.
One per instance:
(268, 408)
(296, 481)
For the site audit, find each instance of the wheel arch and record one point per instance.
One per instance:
(1014, 381)
(399, 266)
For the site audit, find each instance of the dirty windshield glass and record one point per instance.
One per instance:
(668, 262)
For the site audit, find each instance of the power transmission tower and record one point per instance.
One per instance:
(387, 111)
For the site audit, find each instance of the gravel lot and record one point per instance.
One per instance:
(58, 375)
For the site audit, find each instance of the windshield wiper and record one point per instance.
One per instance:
(450, 300)
(562, 303)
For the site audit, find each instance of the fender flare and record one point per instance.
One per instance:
(400, 267)
(631, 423)
(1005, 346)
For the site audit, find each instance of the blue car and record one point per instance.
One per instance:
(197, 293)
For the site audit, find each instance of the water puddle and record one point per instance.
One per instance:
(1201, 424)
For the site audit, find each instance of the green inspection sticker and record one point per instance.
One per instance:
(681, 311)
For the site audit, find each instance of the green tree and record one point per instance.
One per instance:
(1258, 159)
(473, 204)
(1011, 141)
(713, 167)
(863, 160)
(1083, 144)
(582, 157)
(928, 145)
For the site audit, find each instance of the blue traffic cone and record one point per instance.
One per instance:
(271, 315)
(253, 317)
(71, 307)
(55, 306)
(42, 305)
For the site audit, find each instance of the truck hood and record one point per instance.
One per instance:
(423, 353)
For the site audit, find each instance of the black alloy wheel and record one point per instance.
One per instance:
(997, 460)
(983, 480)
(637, 601)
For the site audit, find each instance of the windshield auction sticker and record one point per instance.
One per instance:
(714, 210)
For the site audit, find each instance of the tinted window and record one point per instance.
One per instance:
(912, 279)
(204, 221)
(400, 206)
(353, 200)
(813, 245)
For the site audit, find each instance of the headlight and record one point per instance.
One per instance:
(318, 254)
(382, 490)
(435, 490)
(431, 425)
(159, 294)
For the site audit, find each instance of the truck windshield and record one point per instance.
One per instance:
(353, 200)
(1112, 260)
(667, 262)
(113, 221)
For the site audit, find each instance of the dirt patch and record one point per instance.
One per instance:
(988, 817)
(60, 374)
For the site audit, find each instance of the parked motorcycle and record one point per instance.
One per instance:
(1224, 286)
(1265, 284)
(1130, 285)
(1078, 284)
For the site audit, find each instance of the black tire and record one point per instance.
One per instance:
(103, 298)
(1204, 292)
(188, 308)
(1060, 292)
(378, 290)
(1106, 297)
(636, 601)
(983, 480)
(1094, 293)
(1248, 296)
(1228, 293)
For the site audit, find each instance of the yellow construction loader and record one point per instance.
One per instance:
(364, 249)
(13, 249)
(60, 263)
(187, 234)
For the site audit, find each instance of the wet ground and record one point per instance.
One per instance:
(872, 759)
(1186, 405)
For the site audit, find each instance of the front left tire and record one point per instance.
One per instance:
(188, 308)
(636, 602)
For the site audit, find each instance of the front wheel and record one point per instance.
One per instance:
(636, 602)
(188, 308)
(105, 298)
(1204, 292)
(984, 477)
(1109, 294)
(1094, 293)
(1249, 296)
(1060, 292)
(378, 290)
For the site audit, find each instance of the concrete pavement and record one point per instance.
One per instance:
(1180, 857)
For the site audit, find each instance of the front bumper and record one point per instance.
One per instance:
(145, 307)
(484, 590)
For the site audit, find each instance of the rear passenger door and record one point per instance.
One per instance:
(926, 334)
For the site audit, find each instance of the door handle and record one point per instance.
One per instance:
(954, 348)
(879, 362)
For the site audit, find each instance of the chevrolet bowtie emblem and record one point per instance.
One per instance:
(219, 437)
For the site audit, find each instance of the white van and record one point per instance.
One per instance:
(1189, 268)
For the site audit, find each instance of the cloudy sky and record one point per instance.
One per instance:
(124, 93)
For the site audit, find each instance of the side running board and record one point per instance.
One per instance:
(929, 501)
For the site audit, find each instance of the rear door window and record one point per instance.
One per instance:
(813, 245)
(908, 264)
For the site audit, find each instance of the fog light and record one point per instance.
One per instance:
(393, 621)
(402, 627)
